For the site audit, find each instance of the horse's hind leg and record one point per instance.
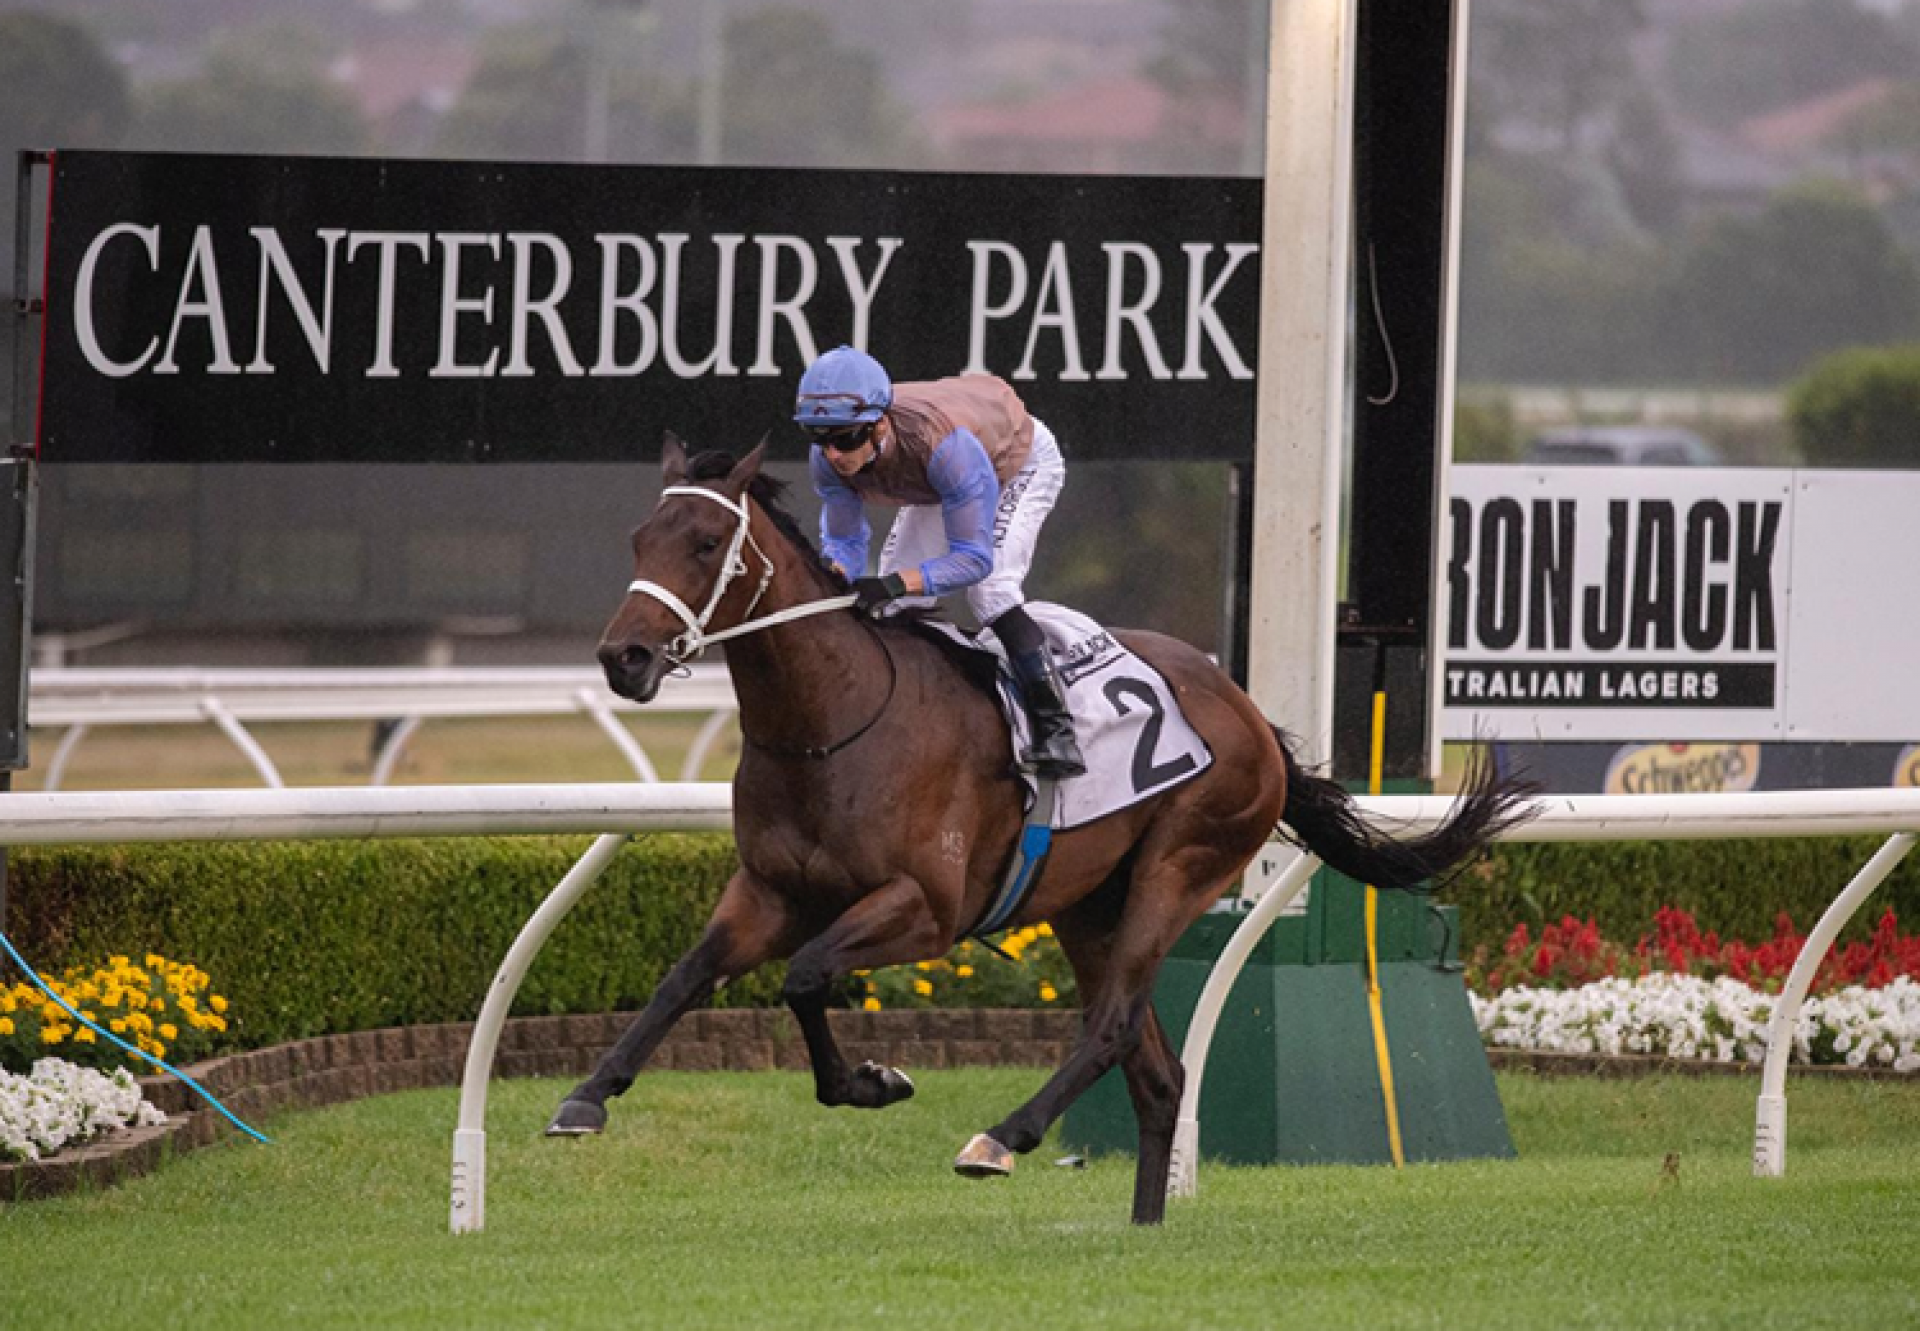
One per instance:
(750, 925)
(1161, 903)
(1155, 1079)
(885, 928)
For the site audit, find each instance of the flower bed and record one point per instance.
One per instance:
(1573, 953)
(58, 1105)
(1722, 1020)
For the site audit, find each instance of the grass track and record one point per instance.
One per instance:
(731, 1200)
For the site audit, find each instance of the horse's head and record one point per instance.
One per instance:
(687, 565)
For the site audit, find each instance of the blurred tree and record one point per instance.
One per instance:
(262, 89)
(1561, 65)
(797, 97)
(1542, 301)
(1757, 298)
(1644, 157)
(1773, 53)
(793, 96)
(1859, 407)
(1213, 53)
(58, 89)
(522, 103)
(1555, 86)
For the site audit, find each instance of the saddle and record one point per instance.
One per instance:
(1128, 723)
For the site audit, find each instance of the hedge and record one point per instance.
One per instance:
(324, 937)
(1736, 888)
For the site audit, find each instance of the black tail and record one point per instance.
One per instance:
(1324, 819)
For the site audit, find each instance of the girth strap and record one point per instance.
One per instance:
(1029, 854)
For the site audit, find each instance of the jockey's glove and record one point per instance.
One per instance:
(869, 594)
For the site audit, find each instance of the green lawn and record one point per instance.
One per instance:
(731, 1200)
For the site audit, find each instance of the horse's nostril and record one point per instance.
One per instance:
(636, 658)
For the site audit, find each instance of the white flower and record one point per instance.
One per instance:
(1688, 1017)
(57, 1105)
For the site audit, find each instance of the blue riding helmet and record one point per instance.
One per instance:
(845, 386)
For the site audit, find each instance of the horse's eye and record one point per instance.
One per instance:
(709, 545)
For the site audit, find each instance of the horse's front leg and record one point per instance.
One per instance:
(892, 925)
(749, 926)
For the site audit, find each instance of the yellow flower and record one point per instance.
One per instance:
(1045, 930)
(922, 988)
(168, 1031)
(118, 1025)
(53, 1034)
(871, 1005)
(1047, 992)
(963, 972)
(84, 1036)
(923, 965)
(6, 1025)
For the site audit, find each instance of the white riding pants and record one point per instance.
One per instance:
(918, 533)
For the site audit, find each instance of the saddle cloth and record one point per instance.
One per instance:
(1131, 731)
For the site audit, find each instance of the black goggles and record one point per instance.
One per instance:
(841, 438)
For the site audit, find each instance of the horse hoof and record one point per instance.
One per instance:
(984, 1158)
(578, 1118)
(892, 1084)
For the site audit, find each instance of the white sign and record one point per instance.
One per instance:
(1600, 603)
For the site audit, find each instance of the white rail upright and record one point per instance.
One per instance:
(1770, 1115)
(469, 1203)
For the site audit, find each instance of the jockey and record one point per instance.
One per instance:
(974, 477)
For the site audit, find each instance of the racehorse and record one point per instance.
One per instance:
(876, 806)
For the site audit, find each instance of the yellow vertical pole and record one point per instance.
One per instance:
(1380, 1052)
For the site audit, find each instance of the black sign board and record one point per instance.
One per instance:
(249, 309)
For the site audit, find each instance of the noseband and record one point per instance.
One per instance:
(696, 639)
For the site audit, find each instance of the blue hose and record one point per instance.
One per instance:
(200, 1090)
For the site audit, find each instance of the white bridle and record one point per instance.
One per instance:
(696, 639)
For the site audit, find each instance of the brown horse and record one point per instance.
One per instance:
(876, 808)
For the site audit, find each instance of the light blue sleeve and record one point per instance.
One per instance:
(962, 473)
(844, 533)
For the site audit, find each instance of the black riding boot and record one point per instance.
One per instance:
(1054, 751)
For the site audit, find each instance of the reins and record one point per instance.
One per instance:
(696, 639)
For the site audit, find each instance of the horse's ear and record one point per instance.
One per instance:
(673, 459)
(747, 468)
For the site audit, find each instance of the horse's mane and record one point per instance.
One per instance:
(769, 493)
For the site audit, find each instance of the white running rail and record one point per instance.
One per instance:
(80, 701)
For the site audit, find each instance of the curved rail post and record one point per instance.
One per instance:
(1182, 1178)
(62, 755)
(390, 751)
(469, 1206)
(622, 738)
(1770, 1115)
(216, 711)
(703, 743)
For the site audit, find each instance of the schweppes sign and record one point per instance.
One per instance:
(1683, 769)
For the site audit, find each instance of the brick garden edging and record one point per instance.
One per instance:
(333, 1069)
